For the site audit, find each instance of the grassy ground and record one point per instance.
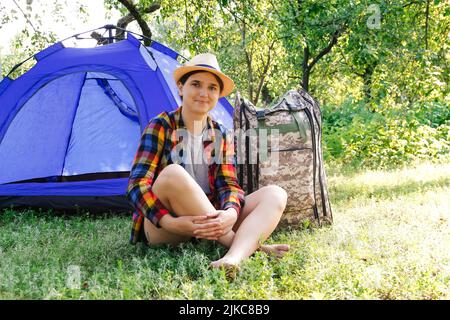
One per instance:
(390, 240)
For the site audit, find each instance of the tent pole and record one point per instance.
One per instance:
(110, 40)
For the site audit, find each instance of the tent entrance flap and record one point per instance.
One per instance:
(103, 138)
(77, 124)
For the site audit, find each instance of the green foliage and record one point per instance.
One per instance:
(32, 37)
(356, 136)
(24, 46)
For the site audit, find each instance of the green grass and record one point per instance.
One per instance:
(390, 240)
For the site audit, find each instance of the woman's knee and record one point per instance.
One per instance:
(172, 170)
(276, 195)
(169, 180)
(171, 176)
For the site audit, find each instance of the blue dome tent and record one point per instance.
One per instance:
(70, 126)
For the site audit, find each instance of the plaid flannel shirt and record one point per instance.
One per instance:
(155, 153)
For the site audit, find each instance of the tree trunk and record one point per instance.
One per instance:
(138, 16)
(248, 60)
(264, 73)
(367, 80)
(427, 16)
(305, 69)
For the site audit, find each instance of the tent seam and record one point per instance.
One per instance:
(73, 120)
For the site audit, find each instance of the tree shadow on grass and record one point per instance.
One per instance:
(192, 259)
(189, 257)
(101, 248)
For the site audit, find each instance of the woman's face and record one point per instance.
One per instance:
(200, 92)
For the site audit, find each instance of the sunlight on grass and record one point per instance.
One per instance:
(388, 184)
(423, 173)
(392, 243)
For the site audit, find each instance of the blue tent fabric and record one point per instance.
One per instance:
(80, 112)
(27, 138)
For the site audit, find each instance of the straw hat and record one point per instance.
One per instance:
(205, 62)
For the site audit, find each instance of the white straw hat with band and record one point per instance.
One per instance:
(205, 62)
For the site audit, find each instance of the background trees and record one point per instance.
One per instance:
(379, 68)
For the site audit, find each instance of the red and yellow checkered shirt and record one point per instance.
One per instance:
(155, 153)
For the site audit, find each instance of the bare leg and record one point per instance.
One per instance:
(176, 189)
(181, 194)
(258, 219)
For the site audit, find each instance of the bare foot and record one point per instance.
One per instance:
(277, 250)
(231, 267)
(224, 263)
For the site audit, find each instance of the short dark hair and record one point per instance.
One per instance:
(184, 78)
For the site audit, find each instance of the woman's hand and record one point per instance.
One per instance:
(188, 225)
(223, 220)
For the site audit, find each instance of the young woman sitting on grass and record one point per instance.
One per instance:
(182, 186)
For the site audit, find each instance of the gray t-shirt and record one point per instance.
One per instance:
(195, 163)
